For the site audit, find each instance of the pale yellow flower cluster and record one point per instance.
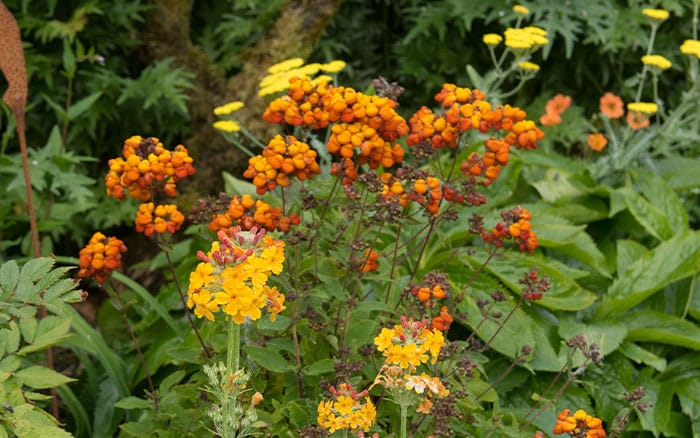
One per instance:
(643, 107)
(530, 37)
(528, 66)
(279, 74)
(691, 47)
(658, 15)
(656, 61)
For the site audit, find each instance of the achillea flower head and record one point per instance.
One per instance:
(100, 257)
(579, 424)
(228, 108)
(492, 39)
(657, 61)
(528, 66)
(345, 410)
(643, 107)
(611, 106)
(521, 10)
(656, 15)
(286, 65)
(333, 66)
(691, 47)
(233, 275)
(597, 141)
(226, 126)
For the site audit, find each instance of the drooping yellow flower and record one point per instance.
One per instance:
(656, 61)
(657, 15)
(286, 65)
(691, 47)
(529, 66)
(226, 125)
(228, 108)
(521, 10)
(333, 66)
(643, 107)
(492, 39)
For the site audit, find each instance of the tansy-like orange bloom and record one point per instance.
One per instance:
(597, 141)
(100, 257)
(164, 218)
(611, 106)
(637, 120)
(580, 424)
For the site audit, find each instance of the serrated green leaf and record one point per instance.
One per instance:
(268, 358)
(320, 367)
(11, 334)
(651, 218)
(51, 331)
(628, 252)
(9, 275)
(648, 326)
(39, 377)
(671, 261)
(34, 269)
(132, 402)
(662, 196)
(642, 356)
(28, 328)
(554, 231)
(606, 335)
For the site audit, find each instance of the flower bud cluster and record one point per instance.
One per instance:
(516, 226)
(163, 218)
(100, 257)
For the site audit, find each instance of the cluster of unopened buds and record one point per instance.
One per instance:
(282, 157)
(516, 226)
(246, 212)
(430, 292)
(100, 257)
(348, 409)
(426, 387)
(534, 285)
(579, 425)
(163, 218)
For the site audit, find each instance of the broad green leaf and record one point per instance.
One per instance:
(583, 210)
(556, 186)
(34, 269)
(51, 331)
(554, 231)
(9, 275)
(662, 196)
(606, 335)
(171, 380)
(585, 250)
(237, 186)
(671, 261)
(647, 326)
(642, 356)
(651, 218)
(11, 335)
(628, 252)
(132, 402)
(694, 301)
(681, 173)
(564, 293)
(547, 343)
(83, 105)
(683, 367)
(28, 327)
(41, 377)
(268, 358)
(360, 331)
(152, 302)
(320, 367)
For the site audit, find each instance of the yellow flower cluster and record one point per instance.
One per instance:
(691, 47)
(233, 276)
(409, 343)
(528, 66)
(656, 61)
(492, 39)
(228, 108)
(643, 107)
(521, 10)
(530, 37)
(658, 15)
(279, 74)
(423, 387)
(346, 411)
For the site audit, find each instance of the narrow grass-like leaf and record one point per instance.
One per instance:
(76, 409)
(647, 326)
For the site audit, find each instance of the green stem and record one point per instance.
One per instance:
(404, 418)
(234, 346)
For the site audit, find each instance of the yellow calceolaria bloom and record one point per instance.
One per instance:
(333, 66)
(345, 410)
(228, 108)
(286, 65)
(656, 61)
(226, 125)
(492, 39)
(521, 10)
(656, 14)
(529, 66)
(643, 107)
(408, 344)
(691, 47)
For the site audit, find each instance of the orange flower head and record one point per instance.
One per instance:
(100, 257)
(637, 120)
(550, 119)
(611, 106)
(597, 141)
(163, 218)
(580, 424)
(558, 104)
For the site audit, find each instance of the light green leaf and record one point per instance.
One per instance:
(51, 331)
(628, 252)
(268, 359)
(554, 231)
(132, 402)
(648, 326)
(320, 367)
(642, 356)
(662, 196)
(651, 218)
(237, 186)
(360, 330)
(28, 327)
(83, 105)
(681, 173)
(671, 261)
(607, 335)
(34, 269)
(9, 275)
(39, 377)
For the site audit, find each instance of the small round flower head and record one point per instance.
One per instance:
(691, 47)
(228, 108)
(100, 257)
(611, 106)
(285, 65)
(492, 39)
(657, 61)
(226, 126)
(656, 15)
(333, 66)
(580, 424)
(521, 10)
(528, 66)
(597, 141)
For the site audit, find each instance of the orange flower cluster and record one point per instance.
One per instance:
(246, 212)
(282, 157)
(392, 190)
(516, 226)
(370, 263)
(147, 167)
(427, 193)
(597, 141)
(611, 106)
(164, 218)
(580, 424)
(554, 109)
(347, 139)
(100, 257)
(434, 288)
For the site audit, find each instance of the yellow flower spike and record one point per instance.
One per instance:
(492, 39)
(656, 61)
(643, 107)
(228, 108)
(528, 66)
(286, 65)
(226, 125)
(521, 10)
(656, 15)
(333, 66)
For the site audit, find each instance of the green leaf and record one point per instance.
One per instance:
(9, 275)
(642, 356)
(267, 358)
(171, 380)
(661, 195)
(132, 402)
(651, 218)
(69, 64)
(669, 262)
(237, 186)
(554, 231)
(320, 367)
(83, 105)
(360, 330)
(146, 296)
(681, 173)
(11, 335)
(51, 331)
(34, 269)
(628, 251)
(607, 335)
(545, 356)
(28, 327)
(39, 377)
(648, 326)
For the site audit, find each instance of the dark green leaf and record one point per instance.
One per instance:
(320, 367)
(132, 402)
(642, 356)
(83, 105)
(647, 326)
(268, 358)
